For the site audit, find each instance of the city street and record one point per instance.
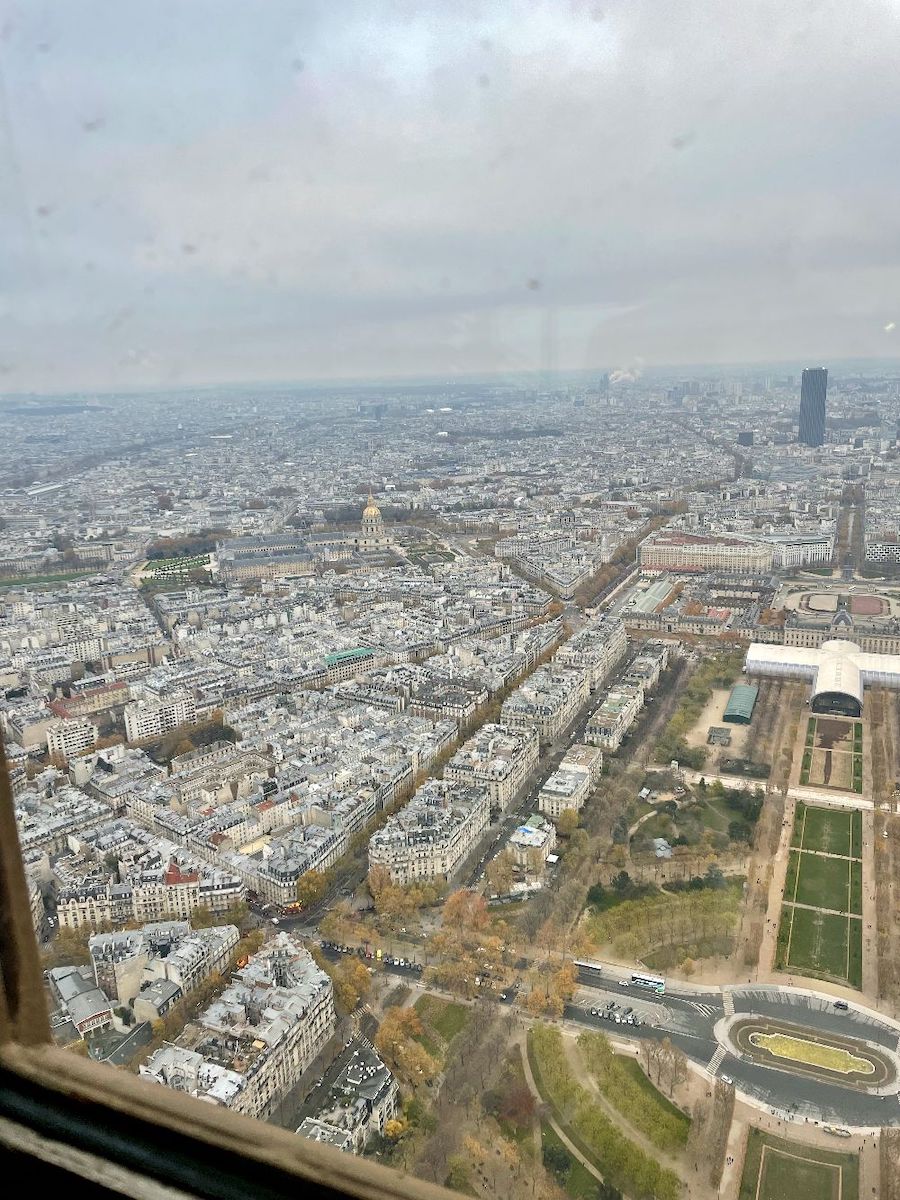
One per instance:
(688, 1018)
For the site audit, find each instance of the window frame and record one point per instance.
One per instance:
(92, 1120)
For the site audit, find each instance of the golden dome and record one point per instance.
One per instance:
(371, 510)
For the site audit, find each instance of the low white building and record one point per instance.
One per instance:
(532, 843)
(838, 671)
(567, 788)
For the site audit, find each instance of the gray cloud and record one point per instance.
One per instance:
(224, 191)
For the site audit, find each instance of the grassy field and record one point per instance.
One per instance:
(820, 944)
(823, 882)
(40, 582)
(810, 941)
(826, 829)
(625, 1164)
(628, 1090)
(443, 1016)
(833, 1058)
(775, 1169)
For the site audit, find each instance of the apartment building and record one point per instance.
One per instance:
(596, 649)
(647, 667)
(609, 723)
(497, 758)
(357, 1105)
(587, 758)
(69, 738)
(127, 961)
(174, 894)
(431, 836)
(251, 1046)
(567, 788)
(548, 700)
(153, 718)
(90, 699)
(882, 551)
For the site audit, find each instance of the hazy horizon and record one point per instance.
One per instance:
(348, 195)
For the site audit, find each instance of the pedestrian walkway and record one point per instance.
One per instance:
(715, 1062)
(560, 1133)
(733, 1168)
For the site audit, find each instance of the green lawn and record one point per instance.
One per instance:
(856, 835)
(790, 878)
(775, 1169)
(823, 882)
(818, 945)
(34, 582)
(823, 829)
(444, 1017)
(654, 1096)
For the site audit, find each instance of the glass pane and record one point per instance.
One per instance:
(449, 563)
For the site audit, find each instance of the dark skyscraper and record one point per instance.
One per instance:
(812, 406)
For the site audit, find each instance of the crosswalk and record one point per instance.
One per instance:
(728, 1002)
(715, 1062)
(708, 1010)
(357, 1015)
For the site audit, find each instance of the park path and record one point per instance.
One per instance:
(560, 1133)
(869, 915)
(735, 1150)
(589, 1084)
(776, 891)
(830, 912)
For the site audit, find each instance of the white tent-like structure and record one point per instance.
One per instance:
(838, 671)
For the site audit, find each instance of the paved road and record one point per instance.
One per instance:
(552, 755)
(688, 1019)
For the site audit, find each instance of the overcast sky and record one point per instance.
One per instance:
(230, 190)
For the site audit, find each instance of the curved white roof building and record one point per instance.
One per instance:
(838, 671)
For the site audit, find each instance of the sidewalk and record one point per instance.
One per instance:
(769, 944)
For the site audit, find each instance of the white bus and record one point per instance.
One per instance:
(585, 964)
(651, 982)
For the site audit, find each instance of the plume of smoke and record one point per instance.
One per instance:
(629, 374)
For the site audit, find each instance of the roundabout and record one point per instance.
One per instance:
(847, 1061)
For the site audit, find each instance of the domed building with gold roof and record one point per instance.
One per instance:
(372, 535)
